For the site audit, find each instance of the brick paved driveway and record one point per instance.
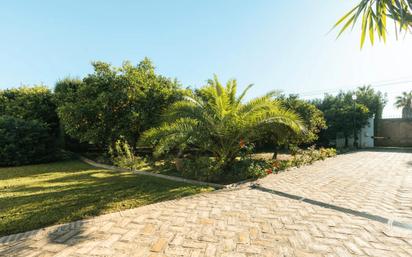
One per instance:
(338, 207)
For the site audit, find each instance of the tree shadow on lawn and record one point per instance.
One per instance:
(81, 194)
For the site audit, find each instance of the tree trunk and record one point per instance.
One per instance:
(275, 153)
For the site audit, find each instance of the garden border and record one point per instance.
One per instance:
(237, 185)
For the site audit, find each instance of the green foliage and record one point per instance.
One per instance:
(66, 89)
(215, 121)
(114, 102)
(208, 169)
(24, 142)
(122, 155)
(30, 103)
(29, 126)
(251, 169)
(343, 115)
(374, 14)
(310, 155)
(201, 168)
(246, 167)
(375, 101)
(312, 117)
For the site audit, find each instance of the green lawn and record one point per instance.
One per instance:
(36, 196)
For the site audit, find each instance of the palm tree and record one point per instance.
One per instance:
(216, 121)
(374, 14)
(404, 101)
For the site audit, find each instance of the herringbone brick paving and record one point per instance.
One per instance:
(374, 182)
(250, 222)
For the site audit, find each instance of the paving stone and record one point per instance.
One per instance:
(160, 245)
(243, 238)
(210, 250)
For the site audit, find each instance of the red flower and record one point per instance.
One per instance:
(269, 171)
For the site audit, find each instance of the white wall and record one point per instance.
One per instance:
(366, 134)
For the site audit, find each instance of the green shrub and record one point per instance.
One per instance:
(29, 126)
(328, 152)
(310, 155)
(200, 168)
(249, 168)
(30, 103)
(24, 142)
(122, 155)
(207, 169)
(113, 102)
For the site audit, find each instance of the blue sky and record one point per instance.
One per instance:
(272, 44)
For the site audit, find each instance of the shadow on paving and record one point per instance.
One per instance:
(365, 215)
(57, 240)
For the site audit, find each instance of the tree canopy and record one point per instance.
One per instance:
(343, 115)
(374, 100)
(114, 102)
(312, 117)
(346, 115)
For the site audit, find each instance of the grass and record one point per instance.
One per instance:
(36, 196)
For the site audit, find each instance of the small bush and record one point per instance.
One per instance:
(310, 155)
(207, 169)
(122, 155)
(201, 168)
(249, 168)
(24, 142)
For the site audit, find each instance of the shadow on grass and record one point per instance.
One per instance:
(63, 195)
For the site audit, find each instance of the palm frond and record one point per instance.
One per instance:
(244, 92)
(215, 120)
(278, 116)
(405, 100)
(374, 14)
(260, 103)
(169, 135)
